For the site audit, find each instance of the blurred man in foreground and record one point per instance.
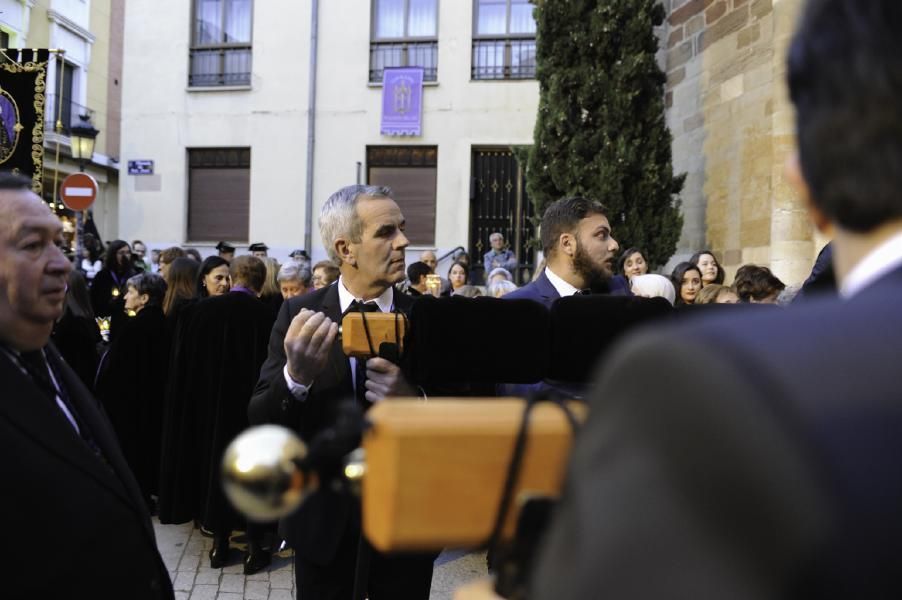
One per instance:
(68, 494)
(758, 456)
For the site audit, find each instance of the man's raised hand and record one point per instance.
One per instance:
(308, 342)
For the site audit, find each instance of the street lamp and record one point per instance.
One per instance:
(81, 142)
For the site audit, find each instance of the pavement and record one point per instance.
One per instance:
(185, 552)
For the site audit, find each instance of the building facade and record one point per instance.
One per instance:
(253, 113)
(228, 112)
(83, 79)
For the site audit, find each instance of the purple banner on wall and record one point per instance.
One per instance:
(402, 101)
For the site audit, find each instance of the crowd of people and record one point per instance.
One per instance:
(171, 344)
(700, 280)
(494, 281)
(191, 351)
(753, 457)
(187, 337)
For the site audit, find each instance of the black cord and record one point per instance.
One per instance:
(513, 470)
(369, 337)
(366, 329)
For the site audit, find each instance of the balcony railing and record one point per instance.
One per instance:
(224, 66)
(504, 58)
(403, 54)
(67, 116)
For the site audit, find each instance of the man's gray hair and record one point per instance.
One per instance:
(294, 271)
(339, 219)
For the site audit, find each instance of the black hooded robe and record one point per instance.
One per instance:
(221, 346)
(131, 384)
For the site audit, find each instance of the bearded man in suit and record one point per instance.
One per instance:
(68, 493)
(306, 376)
(579, 252)
(757, 456)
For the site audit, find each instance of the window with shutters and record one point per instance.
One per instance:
(410, 171)
(219, 188)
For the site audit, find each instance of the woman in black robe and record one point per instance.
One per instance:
(177, 464)
(220, 344)
(132, 379)
(180, 289)
(271, 295)
(76, 334)
(108, 286)
(179, 480)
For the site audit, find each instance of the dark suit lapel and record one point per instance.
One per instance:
(36, 416)
(546, 289)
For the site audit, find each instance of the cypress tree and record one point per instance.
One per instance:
(600, 131)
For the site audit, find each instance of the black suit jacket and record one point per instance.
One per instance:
(743, 456)
(318, 525)
(61, 502)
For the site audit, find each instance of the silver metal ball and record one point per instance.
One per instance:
(260, 474)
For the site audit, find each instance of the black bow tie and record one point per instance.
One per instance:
(363, 307)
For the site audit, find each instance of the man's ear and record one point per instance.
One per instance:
(345, 251)
(567, 244)
(793, 172)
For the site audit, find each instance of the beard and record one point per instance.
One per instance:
(595, 274)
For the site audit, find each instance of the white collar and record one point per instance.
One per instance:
(385, 301)
(563, 288)
(879, 261)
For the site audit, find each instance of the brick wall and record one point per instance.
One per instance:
(733, 129)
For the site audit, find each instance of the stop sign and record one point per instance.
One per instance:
(78, 191)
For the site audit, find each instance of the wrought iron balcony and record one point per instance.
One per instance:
(220, 66)
(403, 54)
(66, 112)
(504, 58)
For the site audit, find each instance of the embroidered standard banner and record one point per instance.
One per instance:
(23, 75)
(402, 101)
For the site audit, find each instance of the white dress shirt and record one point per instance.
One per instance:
(563, 288)
(881, 260)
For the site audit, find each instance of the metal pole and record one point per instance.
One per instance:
(518, 224)
(311, 131)
(79, 224)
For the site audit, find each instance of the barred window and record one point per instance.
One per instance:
(221, 43)
(404, 34)
(504, 39)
